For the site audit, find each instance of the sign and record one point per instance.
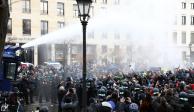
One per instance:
(20, 40)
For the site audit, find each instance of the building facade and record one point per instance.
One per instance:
(30, 19)
(183, 34)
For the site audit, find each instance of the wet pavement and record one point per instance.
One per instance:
(33, 106)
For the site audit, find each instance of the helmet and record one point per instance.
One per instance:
(61, 88)
(183, 96)
(89, 82)
(137, 87)
(44, 109)
(121, 91)
(69, 79)
(155, 91)
(124, 85)
(90, 79)
(99, 84)
(15, 89)
(101, 92)
(110, 84)
(133, 107)
(103, 87)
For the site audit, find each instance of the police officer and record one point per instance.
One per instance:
(183, 100)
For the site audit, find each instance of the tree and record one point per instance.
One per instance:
(4, 17)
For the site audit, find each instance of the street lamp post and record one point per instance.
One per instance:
(84, 9)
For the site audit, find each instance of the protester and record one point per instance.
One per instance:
(110, 90)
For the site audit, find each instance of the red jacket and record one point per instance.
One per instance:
(192, 86)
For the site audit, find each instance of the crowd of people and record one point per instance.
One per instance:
(146, 91)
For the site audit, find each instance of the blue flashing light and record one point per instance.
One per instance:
(12, 52)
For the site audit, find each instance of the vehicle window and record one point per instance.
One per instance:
(10, 72)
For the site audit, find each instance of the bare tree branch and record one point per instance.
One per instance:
(4, 17)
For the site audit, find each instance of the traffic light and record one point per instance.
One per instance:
(2, 3)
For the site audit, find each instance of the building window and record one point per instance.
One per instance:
(26, 8)
(184, 55)
(116, 2)
(183, 37)
(44, 7)
(10, 5)
(60, 24)
(175, 37)
(26, 26)
(192, 5)
(76, 49)
(183, 5)
(75, 11)
(91, 35)
(192, 20)
(192, 37)
(117, 36)
(59, 52)
(9, 26)
(183, 20)
(104, 1)
(60, 9)
(104, 49)
(44, 27)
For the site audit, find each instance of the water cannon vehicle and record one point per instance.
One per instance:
(12, 56)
